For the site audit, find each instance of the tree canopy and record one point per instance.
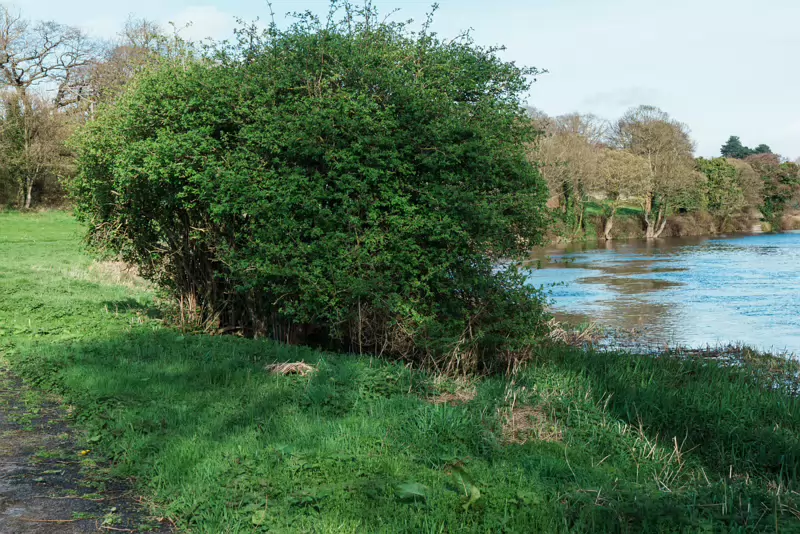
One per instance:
(733, 148)
(665, 143)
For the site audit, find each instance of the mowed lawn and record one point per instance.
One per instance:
(576, 442)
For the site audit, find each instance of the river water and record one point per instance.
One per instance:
(691, 292)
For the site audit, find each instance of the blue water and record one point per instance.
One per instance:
(684, 291)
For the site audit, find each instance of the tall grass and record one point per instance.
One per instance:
(599, 442)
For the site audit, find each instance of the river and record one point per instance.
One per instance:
(690, 292)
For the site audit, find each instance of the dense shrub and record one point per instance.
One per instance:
(342, 182)
(781, 185)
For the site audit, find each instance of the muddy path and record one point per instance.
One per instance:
(47, 483)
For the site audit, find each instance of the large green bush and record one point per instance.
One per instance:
(341, 182)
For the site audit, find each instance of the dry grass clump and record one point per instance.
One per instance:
(117, 273)
(590, 335)
(523, 423)
(460, 397)
(290, 368)
(452, 391)
(523, 417)
(101, 272)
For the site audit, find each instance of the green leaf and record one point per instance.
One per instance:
(412, 491)
(473, 495)
(259, 517)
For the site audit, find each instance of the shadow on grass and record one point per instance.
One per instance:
(133, 306)
(219, 440)
(226, 446)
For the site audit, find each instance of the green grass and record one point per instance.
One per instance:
(595, 208)
(601, 442)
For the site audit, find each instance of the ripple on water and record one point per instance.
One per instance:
(685, 291)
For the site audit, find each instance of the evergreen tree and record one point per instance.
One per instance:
(762, 149)
(734, 148)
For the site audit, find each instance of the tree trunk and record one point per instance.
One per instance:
(648, 211)
(648, 226)
(607, 230)
(27, 134)
(609, 225)
(28, 191)
(20, 185)
(579, 227)
(661, 228)
(649, 231)
(661, 222)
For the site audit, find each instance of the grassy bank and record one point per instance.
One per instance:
(575, 442)
(629, 224)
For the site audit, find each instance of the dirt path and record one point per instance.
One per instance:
(46, 484)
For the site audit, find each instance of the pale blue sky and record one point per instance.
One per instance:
(721, 66)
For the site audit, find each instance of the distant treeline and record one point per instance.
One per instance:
(644, 164)
(53, 78)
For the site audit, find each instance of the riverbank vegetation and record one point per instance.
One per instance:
(645, 160)
(573, 442)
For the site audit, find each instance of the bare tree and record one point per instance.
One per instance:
(33, 143)
(567, 155)
(36, 56)
(587, 126)
(139, 45)
(34, 53)
(622, 176)
(539, 117)
(665, 143)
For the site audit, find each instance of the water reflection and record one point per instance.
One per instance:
(688, 291)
